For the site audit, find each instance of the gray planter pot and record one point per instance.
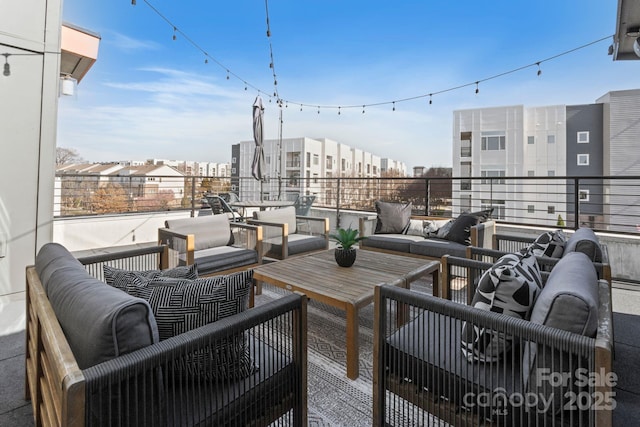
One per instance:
(345, 258)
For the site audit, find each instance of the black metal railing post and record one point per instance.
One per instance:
(338, 185)
(576, 203)
(193, 196)
(427, 199)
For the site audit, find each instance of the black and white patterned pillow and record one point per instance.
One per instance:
(549, 244)
(509, 287)
(180, 305)
(120, 278)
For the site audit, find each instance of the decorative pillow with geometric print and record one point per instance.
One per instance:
(120, 278)
(180, 305)
(549, 244)
(509, 287)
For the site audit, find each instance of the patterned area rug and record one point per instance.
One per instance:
(334, 399)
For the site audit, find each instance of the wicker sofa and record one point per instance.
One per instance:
(93, 357)
(395, 230)
(421, 372)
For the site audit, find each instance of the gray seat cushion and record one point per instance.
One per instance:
(223, 258)
(297, 244)
(436, 248)
(391, 242)
(99, 322)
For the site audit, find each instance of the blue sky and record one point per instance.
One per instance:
(149, 96)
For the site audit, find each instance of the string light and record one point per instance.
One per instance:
(7, 67)
(430, 95)
(394, 106)
(227, 74)
(363, 109)
(338, 110)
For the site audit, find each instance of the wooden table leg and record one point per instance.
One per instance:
(353, 344)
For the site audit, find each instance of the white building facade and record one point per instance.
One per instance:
(305, 165)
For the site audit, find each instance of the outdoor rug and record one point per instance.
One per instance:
(334, 399)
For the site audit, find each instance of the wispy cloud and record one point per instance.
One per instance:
(128, 44)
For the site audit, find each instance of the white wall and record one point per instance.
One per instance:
(28, 117)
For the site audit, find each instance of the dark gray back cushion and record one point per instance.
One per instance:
(99, 322)
(393, 218)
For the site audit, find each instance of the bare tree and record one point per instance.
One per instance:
(67, 155)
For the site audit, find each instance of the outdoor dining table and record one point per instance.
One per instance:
(260, 204)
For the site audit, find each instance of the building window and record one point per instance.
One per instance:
(368, 168)
(493, 141)
(531, 173)
(375, 170)
(583, 137)
(315, 178)
(308, 178)
(583, 195)
(234, 160)
(551, 139)
(465, 148)
(316, 159)
(531, 140)
(551, 209)
(492, 174)
(233, 170)
(308, 160)
(583, 160)
(329, 162)
(267, 160)
(343, 164)
(531, 209)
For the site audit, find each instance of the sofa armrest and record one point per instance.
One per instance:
(162, 367)
(511, 242)
(482, 234)
(459, 277)
(313, 225)
(143, 258)
(178, 242)
(248, 236)
(367, 225)
(273, 232)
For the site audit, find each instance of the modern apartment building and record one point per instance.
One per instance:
(592, 140)
(302, 164)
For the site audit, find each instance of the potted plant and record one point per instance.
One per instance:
(345, 253)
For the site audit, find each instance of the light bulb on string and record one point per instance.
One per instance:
(7, 68)
(394, 106)
(227, 74)
(539, 70)
(363, 109)
(318, 109)
(174, 33)
(338, 110)
(300, 107)
(206, 61)
(477, 87)
(430, 98)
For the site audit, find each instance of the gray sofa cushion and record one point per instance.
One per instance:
(223, 258)
(568, 301)
(283, 215)
(436, 248)
(208, 231)
(585, 240)
(391, 242)
(392, 217)
(99, 322)
(297, 244)
(460, 231)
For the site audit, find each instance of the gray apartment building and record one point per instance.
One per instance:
(580, 141)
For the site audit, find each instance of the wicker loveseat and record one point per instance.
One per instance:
(93, 356)
(555, 371)
(394, 230)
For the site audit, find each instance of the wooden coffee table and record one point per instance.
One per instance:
(319, 277)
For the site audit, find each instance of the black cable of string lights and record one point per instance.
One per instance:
(339, 108)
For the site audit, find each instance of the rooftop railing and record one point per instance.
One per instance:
(609, 204)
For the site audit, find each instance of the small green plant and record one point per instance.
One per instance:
(560, 221)
(346, 238)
